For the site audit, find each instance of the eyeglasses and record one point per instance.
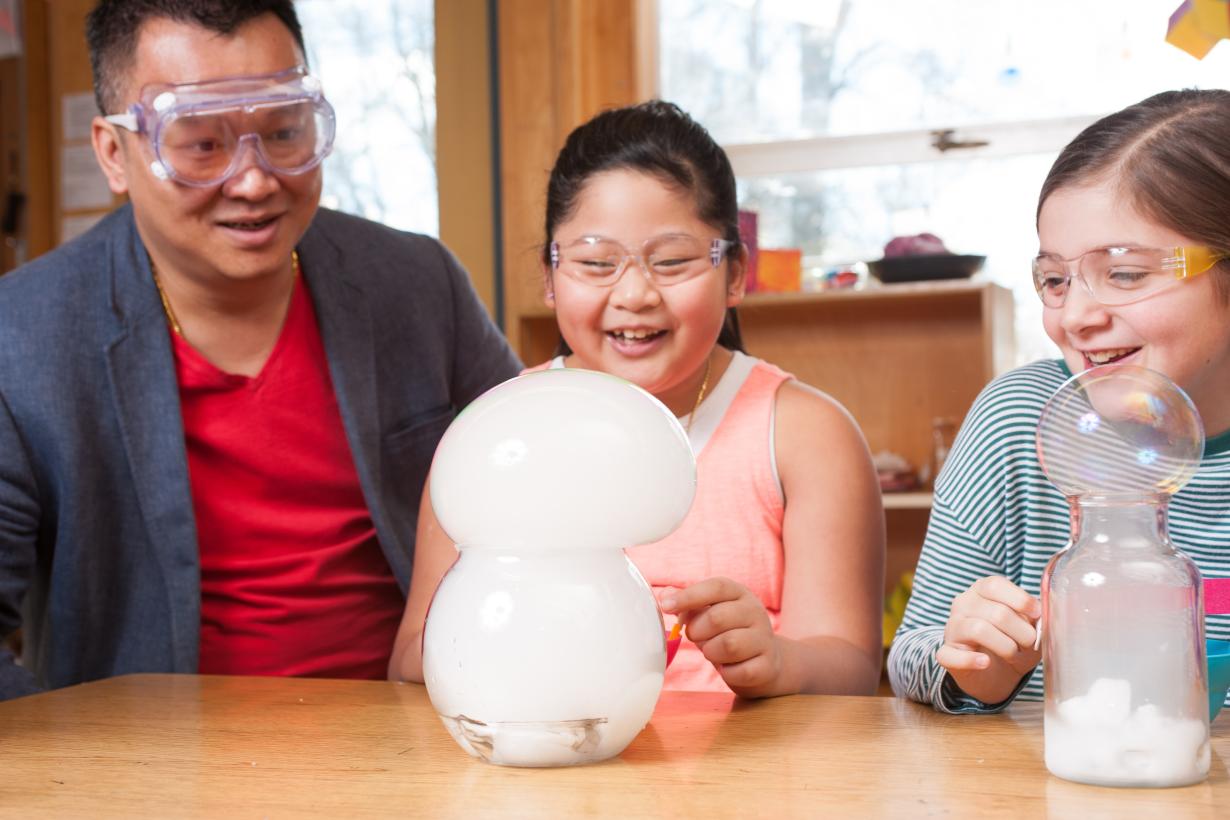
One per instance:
(198, 131)
(665, 260)
(1120, 276)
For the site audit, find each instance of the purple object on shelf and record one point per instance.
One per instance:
(929, 266)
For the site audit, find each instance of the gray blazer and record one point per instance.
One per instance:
(98, 546)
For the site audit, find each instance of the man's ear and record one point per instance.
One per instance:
(109, 150)
(736, 277)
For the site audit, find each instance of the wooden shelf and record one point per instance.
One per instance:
(917, 500)
(872, 290)
(897, 357)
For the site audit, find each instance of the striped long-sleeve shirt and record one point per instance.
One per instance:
(995, 513)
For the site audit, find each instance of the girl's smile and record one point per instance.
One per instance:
(1107, 356)
(637, 341)
(658, 336)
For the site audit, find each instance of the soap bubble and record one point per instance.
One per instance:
(1119, 432)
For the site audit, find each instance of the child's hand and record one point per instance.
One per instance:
(732, 629)
(989, 638)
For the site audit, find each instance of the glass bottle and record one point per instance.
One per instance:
(543, 645)
(1126, 688)
(1123, 617)
(943, 433)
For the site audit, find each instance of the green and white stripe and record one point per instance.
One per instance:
(995, 513)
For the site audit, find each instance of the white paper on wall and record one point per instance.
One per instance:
(82, 184)
(78, 112)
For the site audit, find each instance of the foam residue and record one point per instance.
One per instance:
(1099, 738)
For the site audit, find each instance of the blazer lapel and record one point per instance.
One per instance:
(345, 322)
(141, 370)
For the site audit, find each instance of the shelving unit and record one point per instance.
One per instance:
(896, 356)
(916, 500)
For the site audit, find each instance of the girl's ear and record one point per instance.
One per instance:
(548, 285)
(736, 277)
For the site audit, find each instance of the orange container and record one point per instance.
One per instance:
(779, 270)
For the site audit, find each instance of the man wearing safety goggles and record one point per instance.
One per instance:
(218, 407)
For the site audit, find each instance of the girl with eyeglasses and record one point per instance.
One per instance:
(776, 574)
(1133, 267)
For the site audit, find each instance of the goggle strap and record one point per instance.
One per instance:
(127, 121)
(1199, 260)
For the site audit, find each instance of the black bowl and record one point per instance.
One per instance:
(893, 269)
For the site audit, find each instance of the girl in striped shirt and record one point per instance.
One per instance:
(1131, 193)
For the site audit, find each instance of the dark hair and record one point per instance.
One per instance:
(112, 29)
(1170, 157)
(659, 139)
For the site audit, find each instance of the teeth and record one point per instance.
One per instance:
(1104, 356)
(634, 334)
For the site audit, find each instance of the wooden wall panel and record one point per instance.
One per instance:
(464, 137)
(561, 62)
(68, 73)
(25, 163)
(11, 122)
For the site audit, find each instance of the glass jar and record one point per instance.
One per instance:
(1126, 688)
(1122, 610)
(943, 434)
(543, 657)
(543, 645)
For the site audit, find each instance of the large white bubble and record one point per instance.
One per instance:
(544, 646)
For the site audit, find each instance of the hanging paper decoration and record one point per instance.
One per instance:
(1197, 25)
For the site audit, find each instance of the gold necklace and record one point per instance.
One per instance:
(704, 385)
(166, 303)
(170, 314)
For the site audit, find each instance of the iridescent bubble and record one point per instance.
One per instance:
(1119, 431)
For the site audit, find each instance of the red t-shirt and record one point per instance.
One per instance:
(293, 581)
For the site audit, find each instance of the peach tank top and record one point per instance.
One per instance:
(734, 528)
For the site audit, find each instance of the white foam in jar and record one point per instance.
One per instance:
(1099, 738)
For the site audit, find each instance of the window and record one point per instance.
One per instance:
(375, 58)
(831, 111)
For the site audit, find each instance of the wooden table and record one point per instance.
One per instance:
(168, 746)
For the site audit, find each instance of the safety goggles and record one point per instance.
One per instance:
(1120, 276)
(199, 132)
(665, 260)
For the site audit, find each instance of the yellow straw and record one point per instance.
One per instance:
(675, 630)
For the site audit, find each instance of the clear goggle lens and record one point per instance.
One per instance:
(200, 132)
(666, 260)
(1120, 276)
(202, 147)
